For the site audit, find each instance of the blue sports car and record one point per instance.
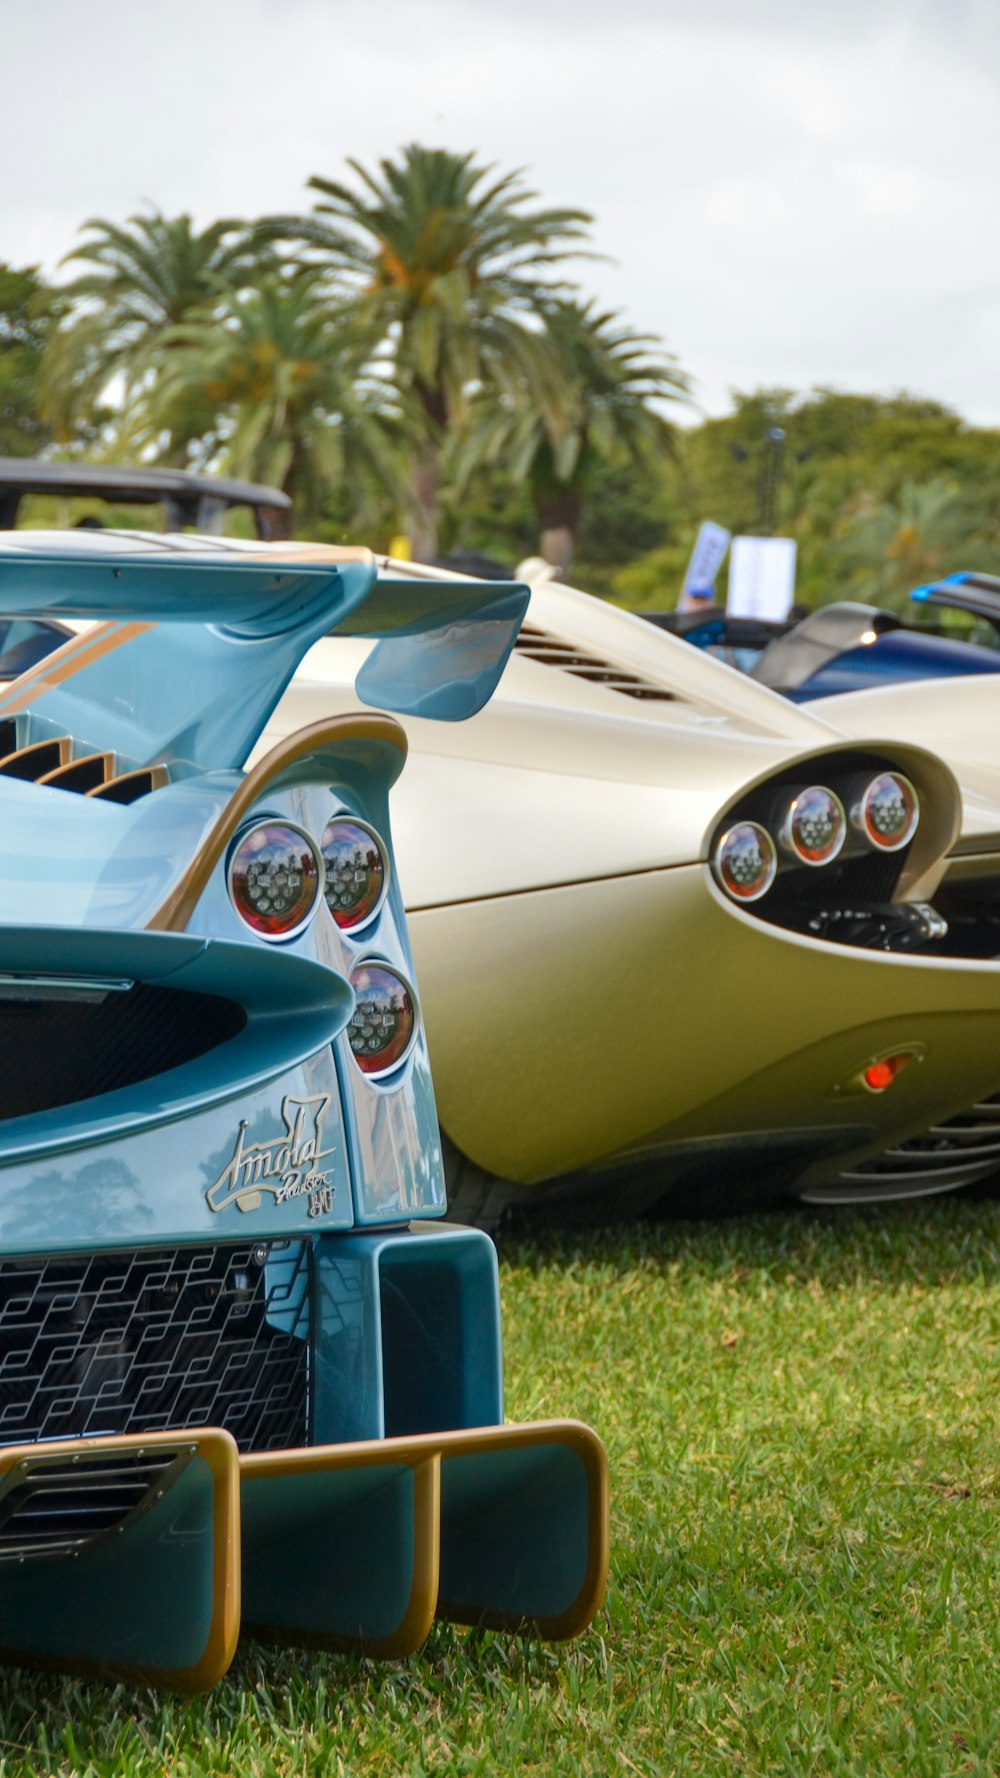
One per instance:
(247, 1376)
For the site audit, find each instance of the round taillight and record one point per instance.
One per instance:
(888, 812)
(384, 1021)
(357, 872)
(746, 861)
(275, 876)
(815, 826)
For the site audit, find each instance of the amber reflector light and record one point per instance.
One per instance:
(355, 871)
(881, 1074)
(384, 1022)
(890, 810)
(274, 878)
(816, 825)
(746, 861)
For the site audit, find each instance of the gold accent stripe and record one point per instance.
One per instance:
(63, 663)
(174, 913)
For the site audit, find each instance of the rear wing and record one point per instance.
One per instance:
(201, 635)
(978, 594)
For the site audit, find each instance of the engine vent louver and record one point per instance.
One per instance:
(964, 1149)
(84, 774)
(56, 1506)
(37, 761)
(549, 651)
(51, 762)
(128, 787)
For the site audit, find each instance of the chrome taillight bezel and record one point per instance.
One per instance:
(391, 1069)
(786, 838)
(859, 813)
(745, 900)
(239, 840)
(367, 920)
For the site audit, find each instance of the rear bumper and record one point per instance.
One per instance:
(143, 1556)
(302, 1437)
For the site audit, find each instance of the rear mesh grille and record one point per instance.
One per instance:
(156, 1341)
(57, 1051)
(549, 651)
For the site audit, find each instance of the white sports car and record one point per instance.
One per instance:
(682, 941)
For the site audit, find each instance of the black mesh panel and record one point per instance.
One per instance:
(58, 1051)
(157, 1340)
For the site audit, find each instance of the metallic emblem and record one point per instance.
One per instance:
(284, 1165)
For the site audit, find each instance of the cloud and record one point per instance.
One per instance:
(789, 194)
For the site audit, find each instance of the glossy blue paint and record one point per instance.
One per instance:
(921, 593)
(408, 1334)
(893, 658)
(449, 672)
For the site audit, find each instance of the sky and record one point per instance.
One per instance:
(789, 193)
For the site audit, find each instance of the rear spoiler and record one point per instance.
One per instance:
(201, 636)
(978, 594)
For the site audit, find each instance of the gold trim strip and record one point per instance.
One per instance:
(174, 913)
(64, 662)
(222, 1457)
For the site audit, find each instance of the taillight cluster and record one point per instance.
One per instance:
(811, 827)
(277, 876)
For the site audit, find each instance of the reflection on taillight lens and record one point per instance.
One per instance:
(889, 812)
(746, 861)
(383, 1023)
(356, 874)
(815, 826)
(274, 878)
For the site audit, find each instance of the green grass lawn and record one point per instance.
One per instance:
(801, 1416)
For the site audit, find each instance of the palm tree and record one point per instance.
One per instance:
(920, 534)
(445, 263)
(284, 378)
(596, 405)
(149, 275)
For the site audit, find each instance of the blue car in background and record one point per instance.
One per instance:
(247, 1376)
(848, 647)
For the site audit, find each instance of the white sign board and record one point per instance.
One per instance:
(707, 556)
(761, 577)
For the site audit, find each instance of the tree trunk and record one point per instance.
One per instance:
(557, 509)
(424, 505)
(556, 544)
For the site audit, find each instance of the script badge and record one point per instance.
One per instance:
(286, 1164)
